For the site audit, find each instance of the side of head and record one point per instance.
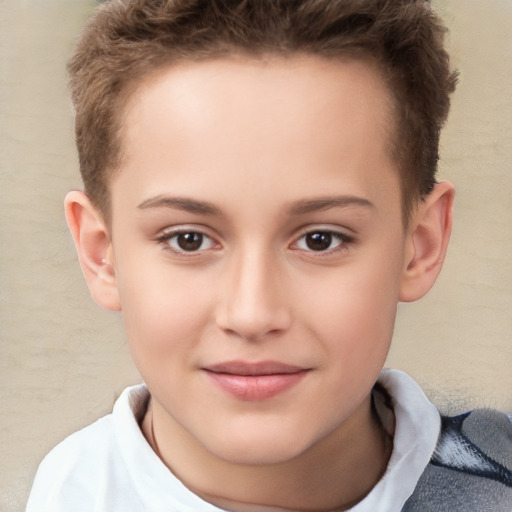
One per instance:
(126, 41)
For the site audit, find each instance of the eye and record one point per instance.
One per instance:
(187, 241)
(321, 241)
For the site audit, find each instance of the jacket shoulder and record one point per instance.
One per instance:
(471, 467)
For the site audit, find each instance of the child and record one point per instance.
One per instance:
(259, 195)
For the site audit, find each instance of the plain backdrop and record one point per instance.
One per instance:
(63, 361)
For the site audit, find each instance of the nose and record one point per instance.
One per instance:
(253, 301)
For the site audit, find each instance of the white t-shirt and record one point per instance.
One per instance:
(110, 467)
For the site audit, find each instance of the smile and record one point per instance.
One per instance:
(255, 381)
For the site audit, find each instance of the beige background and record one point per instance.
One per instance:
(63, 361)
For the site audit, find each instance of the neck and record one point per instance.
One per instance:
(332, 475)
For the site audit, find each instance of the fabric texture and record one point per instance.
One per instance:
(471, 468)
(437, 464)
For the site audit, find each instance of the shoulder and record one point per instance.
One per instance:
(477, 442)
(471, 467)
(77, 471)
(85, 442)
(70, 472)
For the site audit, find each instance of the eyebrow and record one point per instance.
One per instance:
(326, 203)
(180, 203)
(299, 208)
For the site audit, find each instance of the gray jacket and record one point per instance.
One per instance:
(471, 469)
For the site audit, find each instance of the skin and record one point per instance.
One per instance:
(253, 156)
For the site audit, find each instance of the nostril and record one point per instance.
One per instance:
(254, 327)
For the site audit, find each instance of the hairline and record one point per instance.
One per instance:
(409, 199)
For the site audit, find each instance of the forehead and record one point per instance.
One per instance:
(304, 117)
(302, 84)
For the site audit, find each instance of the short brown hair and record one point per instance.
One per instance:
(125, 40)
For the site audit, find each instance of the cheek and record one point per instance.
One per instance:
(355, 311)
(354, 326)
(164, 310)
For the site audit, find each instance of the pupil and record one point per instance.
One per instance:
(319, 241)
(190, 241)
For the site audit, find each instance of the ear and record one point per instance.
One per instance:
(427, 241)
(92, 241)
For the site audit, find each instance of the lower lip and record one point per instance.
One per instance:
(256, 387)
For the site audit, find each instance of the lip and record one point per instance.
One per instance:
(255, 381)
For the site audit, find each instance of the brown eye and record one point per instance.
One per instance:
(189, 241)
(319, 241)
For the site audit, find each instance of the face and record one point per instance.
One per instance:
(258, 248)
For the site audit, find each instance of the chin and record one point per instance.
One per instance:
(262, 448)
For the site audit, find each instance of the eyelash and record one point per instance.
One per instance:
(343, 239)
(165, 240)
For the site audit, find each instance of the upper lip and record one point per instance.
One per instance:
(252, 369)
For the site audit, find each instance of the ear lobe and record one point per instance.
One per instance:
(427, 242)
(92, 242)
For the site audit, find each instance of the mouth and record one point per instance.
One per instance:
(255, 381)
(253, 369)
